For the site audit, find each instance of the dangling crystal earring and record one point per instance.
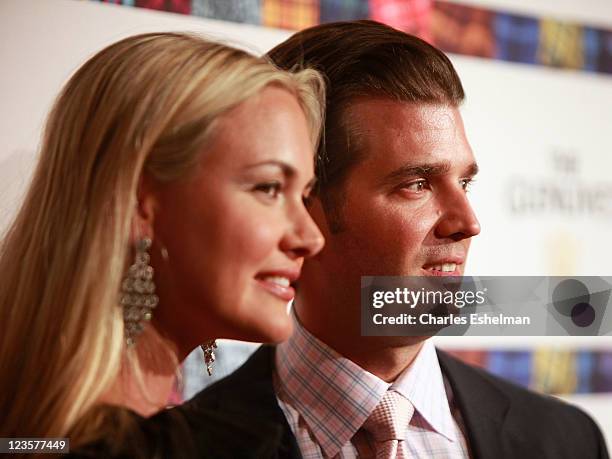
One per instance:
(137, 293)
(209, 354)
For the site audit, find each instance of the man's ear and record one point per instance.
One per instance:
(146, 207)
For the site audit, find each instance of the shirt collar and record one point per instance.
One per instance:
(423, 384)
(335, 396)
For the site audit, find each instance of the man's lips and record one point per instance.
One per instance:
(450, 266)
(279, 283)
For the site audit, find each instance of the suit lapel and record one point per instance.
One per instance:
(483, 407)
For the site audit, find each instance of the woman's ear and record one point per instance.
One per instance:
(146, 208)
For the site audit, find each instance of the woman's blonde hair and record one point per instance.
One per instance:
(147, 103)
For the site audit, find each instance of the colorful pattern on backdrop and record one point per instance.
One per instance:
(551, 371)
(455, 28)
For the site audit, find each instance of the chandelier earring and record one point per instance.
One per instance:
(209, 354)
(138, 297)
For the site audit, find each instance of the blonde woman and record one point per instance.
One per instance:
(167, 210)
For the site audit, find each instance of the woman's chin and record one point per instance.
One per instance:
(268, 328)
(281, 331)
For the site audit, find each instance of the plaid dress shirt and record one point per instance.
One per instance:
(326, 398)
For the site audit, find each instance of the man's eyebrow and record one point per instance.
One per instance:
(288, 170)
(426, 170)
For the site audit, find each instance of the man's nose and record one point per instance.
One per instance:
(458, 220)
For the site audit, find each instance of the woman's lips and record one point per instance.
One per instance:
(278, 286)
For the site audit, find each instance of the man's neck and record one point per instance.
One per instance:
(385, 357)
(387, 362)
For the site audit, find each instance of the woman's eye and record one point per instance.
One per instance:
(270, 189)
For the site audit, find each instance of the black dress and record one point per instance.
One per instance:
(174, 433)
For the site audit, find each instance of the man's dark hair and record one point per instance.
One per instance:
(365, 58)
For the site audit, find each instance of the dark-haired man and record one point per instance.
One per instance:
(394, 167)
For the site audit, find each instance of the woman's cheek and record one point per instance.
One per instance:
(256, 237)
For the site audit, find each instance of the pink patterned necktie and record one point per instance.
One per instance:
(388, 423)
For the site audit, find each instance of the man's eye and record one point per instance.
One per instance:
(270, 189)
(466, 184)
(416, 187)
